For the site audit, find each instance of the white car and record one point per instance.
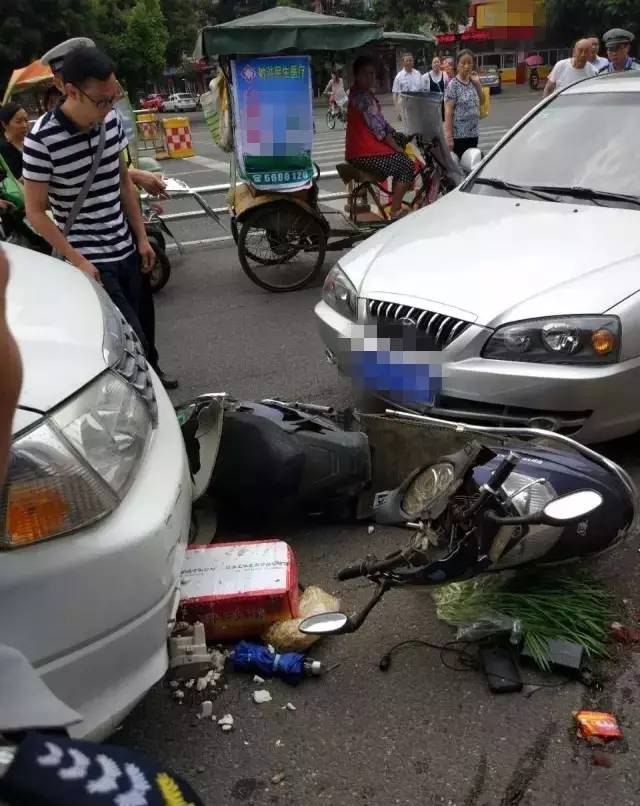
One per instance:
(515, 299)
(96, 513)
(181, 102)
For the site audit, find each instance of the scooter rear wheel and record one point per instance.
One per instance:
(161, 272)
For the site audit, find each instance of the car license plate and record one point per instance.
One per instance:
(402, 375)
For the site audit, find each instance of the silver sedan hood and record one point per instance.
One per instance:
(490, 259)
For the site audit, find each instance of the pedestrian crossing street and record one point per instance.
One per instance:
(328, 147)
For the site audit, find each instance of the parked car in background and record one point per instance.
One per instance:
(154, 102)
(536, 324)
(96, 512)
(181, 102)
(491, 77)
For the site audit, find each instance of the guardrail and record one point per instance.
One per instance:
(206, 190)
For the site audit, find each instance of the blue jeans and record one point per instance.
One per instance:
(122, 280)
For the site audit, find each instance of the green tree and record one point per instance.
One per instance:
(134, 33)
(568, 20)
(184, 18)
(22, 39)
(409, 16)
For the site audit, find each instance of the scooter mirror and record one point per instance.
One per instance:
(573, 507)
(324, 624)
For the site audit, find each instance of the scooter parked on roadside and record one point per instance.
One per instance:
(499, 503)
(156, 230)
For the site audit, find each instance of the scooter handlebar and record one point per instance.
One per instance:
(366, 568)
(352, 572)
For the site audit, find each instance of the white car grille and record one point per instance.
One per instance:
(442, 329)
(133, 367)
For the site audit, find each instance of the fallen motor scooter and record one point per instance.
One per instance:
(268, 457)
(491, 507)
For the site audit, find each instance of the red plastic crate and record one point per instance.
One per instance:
(238, 589)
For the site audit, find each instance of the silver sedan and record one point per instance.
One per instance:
(515, 298)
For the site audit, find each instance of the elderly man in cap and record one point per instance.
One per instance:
(617, 41)
(145, 180)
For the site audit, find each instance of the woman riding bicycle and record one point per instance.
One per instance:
(336, 92)
(371, 143)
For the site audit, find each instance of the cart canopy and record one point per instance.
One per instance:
(284, 29)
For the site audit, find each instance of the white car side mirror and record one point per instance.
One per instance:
(470, 160)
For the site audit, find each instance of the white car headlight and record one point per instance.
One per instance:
(77, 465)
(113, 342)
(562, 340)
(339, 293)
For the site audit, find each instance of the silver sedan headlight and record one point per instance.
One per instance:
(76, 465)
(561, 340)
(339, 293)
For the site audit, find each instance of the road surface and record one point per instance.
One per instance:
(419, 733)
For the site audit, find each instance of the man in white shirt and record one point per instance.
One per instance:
(407, 80)
(568, 71)
(598, 61)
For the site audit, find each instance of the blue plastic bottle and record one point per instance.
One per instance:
(290, 666)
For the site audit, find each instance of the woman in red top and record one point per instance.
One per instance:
(372, 144)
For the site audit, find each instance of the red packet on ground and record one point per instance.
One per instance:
(597, 724)
(238, 589)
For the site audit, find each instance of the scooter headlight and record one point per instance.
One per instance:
(427, 487)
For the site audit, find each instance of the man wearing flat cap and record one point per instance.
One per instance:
(617, 41)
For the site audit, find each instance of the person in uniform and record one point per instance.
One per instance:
(617, 41)
(151, 183)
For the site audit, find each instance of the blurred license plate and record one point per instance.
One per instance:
(401, 374)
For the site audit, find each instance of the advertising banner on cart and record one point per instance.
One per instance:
(273, 121)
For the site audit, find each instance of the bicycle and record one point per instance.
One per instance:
(334, 113)
(431, 181)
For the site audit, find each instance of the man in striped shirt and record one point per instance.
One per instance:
(58, 155)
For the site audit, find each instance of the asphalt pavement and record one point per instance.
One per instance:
(419, 733)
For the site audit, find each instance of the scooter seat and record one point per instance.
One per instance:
(349, 172)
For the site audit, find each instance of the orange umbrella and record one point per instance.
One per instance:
(23, 77)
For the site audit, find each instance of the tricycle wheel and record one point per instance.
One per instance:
(282, 246)
(161, 272)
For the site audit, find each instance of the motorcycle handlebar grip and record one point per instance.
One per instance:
(503, 471)
(351, 572)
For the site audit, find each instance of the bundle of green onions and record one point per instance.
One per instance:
(548, 606)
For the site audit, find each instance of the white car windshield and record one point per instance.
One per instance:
(586, 140)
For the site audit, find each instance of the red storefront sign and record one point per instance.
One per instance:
(513, 34)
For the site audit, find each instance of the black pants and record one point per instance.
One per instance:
(147, 316)
(122, 280)
(461, 144)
